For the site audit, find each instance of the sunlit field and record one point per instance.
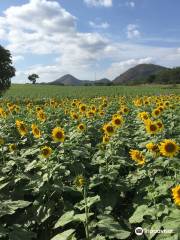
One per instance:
(89, 162)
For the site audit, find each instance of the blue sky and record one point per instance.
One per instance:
(89, 38)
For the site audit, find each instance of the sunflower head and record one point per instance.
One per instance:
(176, 194)
(152, 147)
(106, 139)
(169, 148)
(58, 134)
(12, 147)
(46, 151)
(137, 156)
(151, 127)
(81, 127)
(80, 181)
(35, 130)
(117, 121)
(109, 129)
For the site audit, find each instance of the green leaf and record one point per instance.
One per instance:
(65, 219)
(19, 233)
(112, 229)
(137, 216)
(90, 202)
(9, 207)
(66, 235)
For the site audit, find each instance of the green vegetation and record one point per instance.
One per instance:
(27, 90)
(7, 71)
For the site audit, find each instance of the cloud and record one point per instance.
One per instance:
(17, 58)
(99, 3)
(103, 25)
(42, 27)
(117, 68)
(130, 4)
(133, 31)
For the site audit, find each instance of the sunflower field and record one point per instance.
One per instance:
(90, 168)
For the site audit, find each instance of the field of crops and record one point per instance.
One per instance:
(89, 167)
(41, 91)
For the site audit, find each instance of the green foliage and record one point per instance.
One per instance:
(7, 71)
(33, 78)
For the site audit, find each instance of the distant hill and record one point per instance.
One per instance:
(141, 71)
(72, 81)
(140, 74)
(67, 80)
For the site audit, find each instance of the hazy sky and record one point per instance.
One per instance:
(88, 37)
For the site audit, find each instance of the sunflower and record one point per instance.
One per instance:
(81, 127)
(109, 129)
(58, 134)
(46, 151)
(90, 113)
(117, 121)
(155, 113)
(12, 147)
(169, 148)
(176, 194)
(143, 116)
(82, 108)
(41, 116)
(74, 115)
(152, 147)
(35, 130)
(105, 139)
(80, 181)
(137, 156)
(21, 128)
(160, 125)
(151, 127)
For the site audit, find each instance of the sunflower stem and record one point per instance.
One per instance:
(86, 213)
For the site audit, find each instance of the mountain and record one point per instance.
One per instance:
(67, 80)
(72, 81)
(135, 74)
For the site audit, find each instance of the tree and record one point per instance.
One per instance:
(7, 71)
(33, 78)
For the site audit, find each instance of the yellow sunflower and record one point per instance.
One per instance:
(160, 125)
(137, 156)
(169, 148)
(151, 127)
(176, 194)
(58, 134)
(82, 108)
(109, 129)
(41, 116)
(35, 130)
(155, 113)
(106, 139)
(117, 121)
(152, 147)
(21, 127)
(81, 127)
(12, 147)
(80, 181)
(46, 151)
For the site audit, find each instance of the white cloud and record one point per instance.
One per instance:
(130, 4)
(103, 25)
(132, 31)
(44, 27)
(98, 3)
(117, 68)
(17, 58)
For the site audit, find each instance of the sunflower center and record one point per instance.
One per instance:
(59, 135)
(170, 147)
(117, 121)
(110, 129)
(45, 151)
(153, 128)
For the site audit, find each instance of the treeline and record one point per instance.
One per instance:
(169, 76)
